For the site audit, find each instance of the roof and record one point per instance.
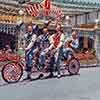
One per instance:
(90, 1)
(11, 7)
(78, 6)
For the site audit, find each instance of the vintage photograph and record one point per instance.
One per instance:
(50, 49)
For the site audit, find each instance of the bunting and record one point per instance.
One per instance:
(45, 9)
(34, 9)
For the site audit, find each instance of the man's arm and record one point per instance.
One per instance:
(51, 42)
(75, 44)
(61, 41)
(32, 42)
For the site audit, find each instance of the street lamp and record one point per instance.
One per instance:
(67, 20)
(21, 12)
(96, 21)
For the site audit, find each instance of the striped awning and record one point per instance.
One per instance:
(9, 7)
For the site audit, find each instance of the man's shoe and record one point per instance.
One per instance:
(55, 73)
(40, 67)
(59, 76)
(27, 78)
(40, 76)
(50, 75)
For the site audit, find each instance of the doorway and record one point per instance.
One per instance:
(7, 39)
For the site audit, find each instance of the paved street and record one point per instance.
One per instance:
(85, 86)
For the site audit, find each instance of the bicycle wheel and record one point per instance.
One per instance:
(73, 67)
(11, 73)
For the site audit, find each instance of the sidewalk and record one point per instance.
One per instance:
(89, 63)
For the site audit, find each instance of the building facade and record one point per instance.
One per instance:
(80, 14)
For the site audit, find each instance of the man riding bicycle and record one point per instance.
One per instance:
(59, 50)
(71, 45)
(31, 48)
(56, 46)
(35, 42)
(45, 46)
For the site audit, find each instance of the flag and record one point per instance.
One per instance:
(47, 4)
(56, 12)
(34, 9)
(47, 7)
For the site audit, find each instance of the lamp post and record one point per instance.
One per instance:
(97, 40)
(68, 26)
(20, 30)
(67, 21)
(96, 23)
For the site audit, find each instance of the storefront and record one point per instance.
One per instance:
(8, 36)
(97, 43)
(86, 39)
(73, 15)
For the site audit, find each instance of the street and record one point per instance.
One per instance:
(85, 86)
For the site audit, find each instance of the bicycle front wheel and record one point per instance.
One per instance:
(74, 67)
(12, 72)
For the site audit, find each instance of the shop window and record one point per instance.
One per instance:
(81, 44)
(7, 39)
(90, 43)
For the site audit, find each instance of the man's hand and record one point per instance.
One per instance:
(46, 50)
(26, 49)
(54, 51)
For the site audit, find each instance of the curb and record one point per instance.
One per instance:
(88, 66)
